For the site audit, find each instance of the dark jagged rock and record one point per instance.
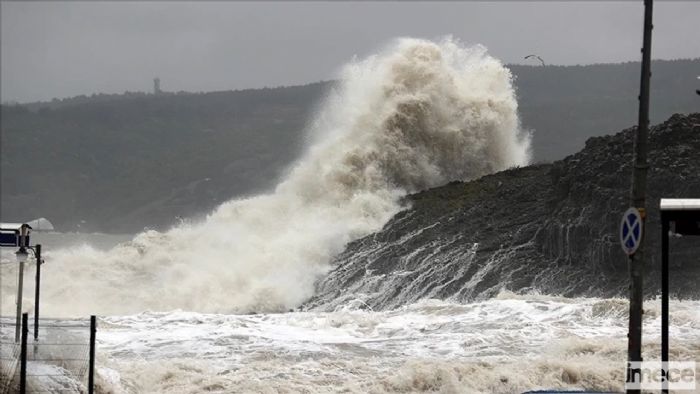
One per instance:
(551, 228)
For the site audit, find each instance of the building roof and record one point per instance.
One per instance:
(680, 204)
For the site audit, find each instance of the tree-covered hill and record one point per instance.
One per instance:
(118, 163)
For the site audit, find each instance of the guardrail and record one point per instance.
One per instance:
(60, 360)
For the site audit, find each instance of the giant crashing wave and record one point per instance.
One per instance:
(414, 116)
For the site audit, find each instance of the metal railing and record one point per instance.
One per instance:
(60, 360)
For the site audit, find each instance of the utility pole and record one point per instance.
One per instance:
(638, 197)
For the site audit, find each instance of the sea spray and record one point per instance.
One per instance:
(415, 116)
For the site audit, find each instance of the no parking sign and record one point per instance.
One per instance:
(631, 231)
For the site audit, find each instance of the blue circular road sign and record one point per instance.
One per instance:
(631, 231)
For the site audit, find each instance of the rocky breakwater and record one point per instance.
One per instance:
(550, 228)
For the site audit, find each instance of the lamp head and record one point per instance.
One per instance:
(21, 255)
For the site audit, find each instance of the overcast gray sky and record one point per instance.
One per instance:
(62, 49)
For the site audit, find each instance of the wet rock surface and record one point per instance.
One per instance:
(550, 228)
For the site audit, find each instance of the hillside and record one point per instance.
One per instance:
(119, 163)
(550, 228)
(565, 105)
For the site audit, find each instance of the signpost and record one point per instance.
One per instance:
(638, 196)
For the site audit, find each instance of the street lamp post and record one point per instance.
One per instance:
(22, 255)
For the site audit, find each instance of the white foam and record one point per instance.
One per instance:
(505, 345)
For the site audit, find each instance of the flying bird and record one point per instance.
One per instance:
(535, 56)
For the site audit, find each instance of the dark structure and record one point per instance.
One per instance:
(685, 216)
